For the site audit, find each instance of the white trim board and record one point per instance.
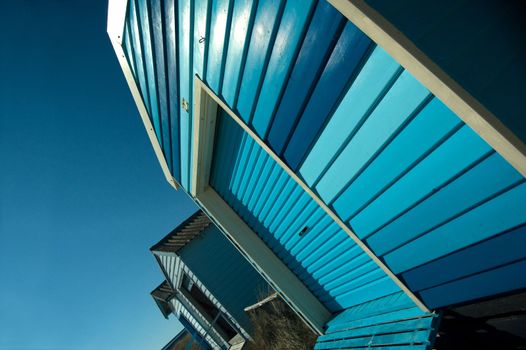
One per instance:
(463, 104)
(116, 20)
(203, 150)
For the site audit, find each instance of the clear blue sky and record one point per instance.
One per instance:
(82, 196)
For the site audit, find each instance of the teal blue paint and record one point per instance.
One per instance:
(261, 41)
(359, 265)
(420, 137)
(302, 217)
(367, 88)
(200, 37)
(326, 23)
(293, 238)
(199, 33)
(291, 30)
(249, 171)
(394, 110)
(500, 214)
(262, 167)
(184, 20)
(254, 180)
(492, 176)
(219, 24)
(285, 210)
(325, 250)
(308, 240)
(345, 59)
(504, 279)
(156, 26)
(128, 49)
(149, 62)
(241, 27)
(172, 73)
(138, 56)
(376, 289)
(347, 257)
(392, 161)
(460, 151)
(402, 326)
(467, 261)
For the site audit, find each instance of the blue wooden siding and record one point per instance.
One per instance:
(325, 258)
(390, 159)
(391, 322)
(225, 273)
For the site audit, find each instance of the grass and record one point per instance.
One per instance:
(277, 327)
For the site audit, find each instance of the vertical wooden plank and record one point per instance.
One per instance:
(487, 220)
(172, 75)
(158, 24)
(138, 55)
(294, 22)
(185, 56)
(397, 107)
(242, 21)
(218, 42)
(345, 60)
(487, 179)
(428, 130)
(265, 27)
(363, 95)
(326, 23)
(144, 22)
(455, 155)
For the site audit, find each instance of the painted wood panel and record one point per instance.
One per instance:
(390, 322)
(338, 285)
(391, 160)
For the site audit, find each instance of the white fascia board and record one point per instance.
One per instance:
(405, 52)
(116, 20)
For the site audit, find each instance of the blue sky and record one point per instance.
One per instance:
(82, 196)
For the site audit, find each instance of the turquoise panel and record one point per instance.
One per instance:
(172, 76)
(467, 261)
(420, 137)
(291, 30)
(479, 184)
(241, 27)
(313, 55)
(184, 35)
(344, 60)
(484, 221)
(291, 223)
(138, 56)
(157, 26)
(404, 98)
(373, 80)
(128, 49)
(144, 24)
(390, 322)
(391, 160)
(264, 31)
(503, 279)
(218, 42)
(431, 173)
(200, 37)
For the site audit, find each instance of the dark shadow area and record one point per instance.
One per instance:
(498, 323)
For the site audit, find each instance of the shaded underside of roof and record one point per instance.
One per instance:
(183, 234)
